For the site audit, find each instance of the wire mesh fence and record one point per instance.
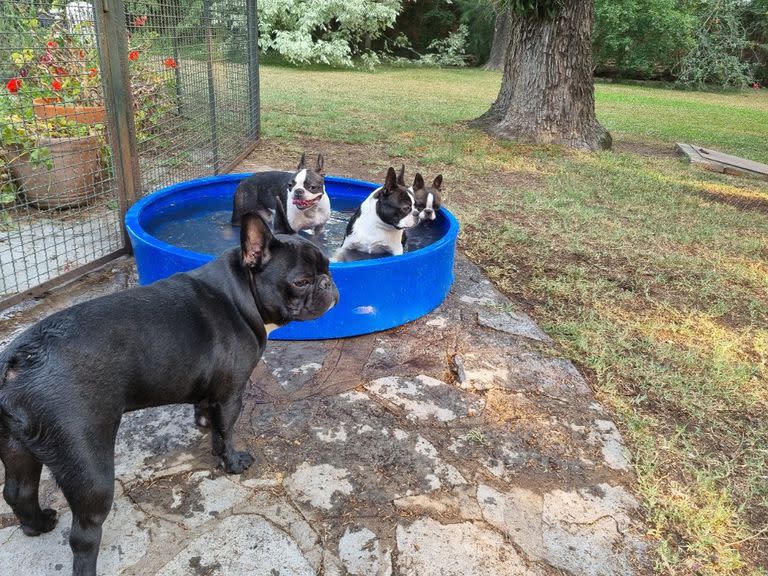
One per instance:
(203, 118)
(58, 193)
(192, 70)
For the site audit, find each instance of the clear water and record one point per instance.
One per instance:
(207, 229)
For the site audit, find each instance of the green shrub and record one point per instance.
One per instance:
(641, 38)
(717, 59)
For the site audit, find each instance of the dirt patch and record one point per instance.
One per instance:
(644, 149)
(364, 161)
(370, 162)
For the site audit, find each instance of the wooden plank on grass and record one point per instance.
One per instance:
(724, 163)
(735, 161)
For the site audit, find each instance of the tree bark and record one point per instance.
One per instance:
(547, 93)
(501, 30)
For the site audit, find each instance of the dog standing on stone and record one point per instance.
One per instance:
(302, 193)
(379, 224)
(192, 338)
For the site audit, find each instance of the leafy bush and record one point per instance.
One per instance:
(721, 41)
(479, 18)
(755, 19)
(323, 31)
(450, 51)
(641, 38)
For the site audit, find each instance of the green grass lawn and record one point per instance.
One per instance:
(650, 274)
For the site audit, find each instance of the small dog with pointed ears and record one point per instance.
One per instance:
(379, 225)
(427, 198)
(302, 193)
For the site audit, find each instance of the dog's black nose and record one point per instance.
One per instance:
(298, 193)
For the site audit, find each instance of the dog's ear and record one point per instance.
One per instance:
(390, 182)
(319, 163)
(255, 239)
(438, 182)
(401, 176)
(418, 182)
(281, 224)
(302, 162)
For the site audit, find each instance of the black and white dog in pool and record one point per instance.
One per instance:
(427, 198)
(378, 226)
(302, 193)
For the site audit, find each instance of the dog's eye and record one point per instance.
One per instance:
(302, 282)
(291, 184)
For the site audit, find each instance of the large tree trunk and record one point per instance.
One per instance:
(501, 30)
(547, 93)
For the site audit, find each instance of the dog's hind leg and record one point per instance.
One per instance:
(87, 479)
(22, 480)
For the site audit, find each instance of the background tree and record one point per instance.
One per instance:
(501, 32)
(547, 91)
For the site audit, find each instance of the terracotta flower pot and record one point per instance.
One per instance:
(68, 181)
(53, 108)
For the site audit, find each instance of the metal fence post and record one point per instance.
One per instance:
(176, 71)
(251, 7)
(211, 86)
(113, 57)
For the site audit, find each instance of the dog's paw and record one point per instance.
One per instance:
(201, 420)
(46, 523)
(236, 462)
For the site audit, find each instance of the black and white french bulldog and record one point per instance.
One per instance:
(378, 226)
(302, 193)
(427, 198)
(192, 338)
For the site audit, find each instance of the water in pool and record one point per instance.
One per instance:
(206, 229)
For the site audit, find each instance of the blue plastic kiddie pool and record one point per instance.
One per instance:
(374, 294)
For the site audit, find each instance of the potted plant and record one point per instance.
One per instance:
(52, 116)
(55, 161)
(65, 69)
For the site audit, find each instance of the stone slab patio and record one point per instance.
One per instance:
(459, 444)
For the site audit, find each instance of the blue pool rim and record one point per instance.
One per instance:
(375, 294)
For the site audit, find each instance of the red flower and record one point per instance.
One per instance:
(140, 21)
(56, 85)
(92, 72)
(52, 44)
(756, 85)
(170, 63)
(61, 71)
(46, 58)
(133, 55)
(13, 85)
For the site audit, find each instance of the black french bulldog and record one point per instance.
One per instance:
(192, 338)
